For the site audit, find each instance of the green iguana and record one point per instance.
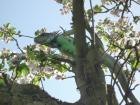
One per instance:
(64, 43)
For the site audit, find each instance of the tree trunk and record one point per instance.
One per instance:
(89, 75)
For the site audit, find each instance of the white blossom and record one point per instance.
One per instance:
(123, 1)
(26, 79)
(115, 12)
(5, 52)
(48, 70)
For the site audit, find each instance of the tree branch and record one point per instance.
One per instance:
(25, 94)
(109, 61)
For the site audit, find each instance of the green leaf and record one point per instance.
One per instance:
(97, 8)
(30, 52)
(2, 83)
(60, 67)
(63, 68)
(6, 25)
(22, 70)
(1, 33)
(36, 80)
(41, 56)
(1, 66)
(48, 76)
(105, 38)
(12, 31)
(112, 48)
(135, 65)
(64, 1)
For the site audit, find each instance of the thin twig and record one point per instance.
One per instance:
(121, 67)
(42, 85)
(68, 77)
(125, 8)
(136, 2)
(115, 66)
(18, 45)
(134, 69)
(21, 35)
(92, 20)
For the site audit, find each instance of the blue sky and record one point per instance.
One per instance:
(31, 15)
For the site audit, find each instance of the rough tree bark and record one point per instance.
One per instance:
(89, 76)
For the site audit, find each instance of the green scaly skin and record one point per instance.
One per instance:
(64, 43)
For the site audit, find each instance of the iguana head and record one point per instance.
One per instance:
(47, 39)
